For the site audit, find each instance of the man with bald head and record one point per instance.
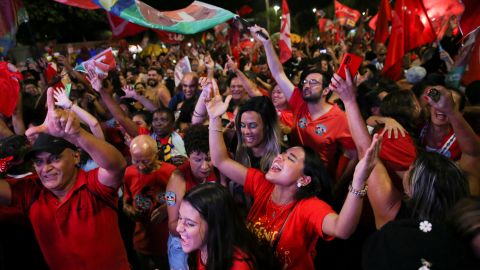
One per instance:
(144, 202)
(189, 86)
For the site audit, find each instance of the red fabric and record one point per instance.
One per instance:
(325, 25)
(286, 117)
(410, 29)
(346, 15)
(324, 134)
(244, 10)
(9, 89)
(147, 192)
(296, 248)
(397, 154)
(79, 3)
(440, 11)
(81, 232)
(122, 28)
(469, 20)
(453, 152)
(143, 131)
(384, 17)
(285, 42)
(190, 182)
(239, 261)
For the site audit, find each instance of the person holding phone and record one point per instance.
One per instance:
(318, 124)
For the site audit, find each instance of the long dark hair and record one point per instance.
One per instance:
(226, 230)
(398, 105)
(436, 185)
(320, 184)
(264, 107)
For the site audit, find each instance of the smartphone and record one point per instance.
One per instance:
(352, 62)
(323, 51)
(434, 94)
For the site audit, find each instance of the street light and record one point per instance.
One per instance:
(276, 8)
(314, 10)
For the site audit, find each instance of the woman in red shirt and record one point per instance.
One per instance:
(286, 212)
(209, 224)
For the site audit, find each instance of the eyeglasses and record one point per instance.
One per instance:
(311, 82)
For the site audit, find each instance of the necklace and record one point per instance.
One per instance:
(279, 208)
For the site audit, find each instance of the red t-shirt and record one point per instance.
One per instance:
(448, 148)
(147, 192)
(240, 261)
(190, 182)
(81, 232)
(397, 155)
(286, 117)
(323, 134)
(296, 248)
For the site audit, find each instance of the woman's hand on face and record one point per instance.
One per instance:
(445, 103)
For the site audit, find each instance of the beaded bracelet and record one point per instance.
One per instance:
(214, 129)
(358, 193)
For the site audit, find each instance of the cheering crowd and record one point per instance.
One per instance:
(244, 162)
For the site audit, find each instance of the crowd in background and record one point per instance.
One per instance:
(242, 162)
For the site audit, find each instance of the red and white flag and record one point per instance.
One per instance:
(285, 42)
(346, 15)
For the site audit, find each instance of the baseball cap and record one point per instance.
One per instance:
(415, 74)
(49, 144)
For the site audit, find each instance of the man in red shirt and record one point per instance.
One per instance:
(72, 212)
(144, 192)
(318, 123)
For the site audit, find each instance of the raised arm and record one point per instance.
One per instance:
(467, 139)
(62, 100)
(345, 223)
(65, 124)
(176, 186)
(274, 64)
(147, 103)
(383, 196)
(123, 119)
(218, 151)
(249, 86)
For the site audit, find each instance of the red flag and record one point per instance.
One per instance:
(9, 88)
(346, 15)
(285, 43)
(122, 28)
(470, 21)
(79, 3)
(440, 11)
(384, 17)
(410, 29)
(325, 25)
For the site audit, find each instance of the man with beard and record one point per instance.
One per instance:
(145, 182)
(318, 123)
(156, 91)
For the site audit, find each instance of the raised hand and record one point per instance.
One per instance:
(62, 99)
(209, 63)
(254, 29)
(216, 107)
(231, 64)
(58, 122)
(445, 103)
(368, 162)
(392, 125)
(93, 78)
(129, 92)
(346, 89)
